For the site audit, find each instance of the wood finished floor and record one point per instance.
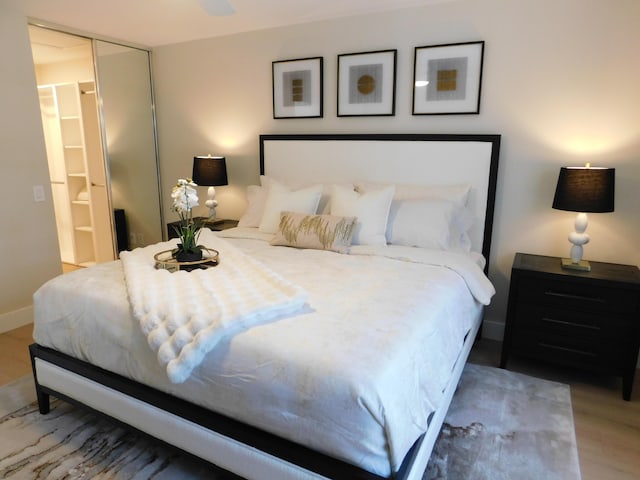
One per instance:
(607, 428)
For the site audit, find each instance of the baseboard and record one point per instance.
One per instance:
(492, 330)
(16, 318)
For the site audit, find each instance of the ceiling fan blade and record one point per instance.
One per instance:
(217, 8)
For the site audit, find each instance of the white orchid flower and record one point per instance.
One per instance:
(184, 195)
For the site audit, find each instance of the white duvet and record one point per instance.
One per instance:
(355, 375)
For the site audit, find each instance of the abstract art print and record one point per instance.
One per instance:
(447, 79)
(297, 88)
(367, 83)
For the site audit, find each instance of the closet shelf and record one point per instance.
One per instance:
(74, 147)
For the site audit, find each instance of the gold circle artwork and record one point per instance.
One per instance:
(366, 84)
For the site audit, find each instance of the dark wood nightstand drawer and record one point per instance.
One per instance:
(575, 323)
(572, 351)
(576, 296)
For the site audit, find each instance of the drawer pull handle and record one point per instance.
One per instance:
(567, 349)
(573, 296)
(571, 324)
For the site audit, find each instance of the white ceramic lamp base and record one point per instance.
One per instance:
(578, 238)
(211, 203)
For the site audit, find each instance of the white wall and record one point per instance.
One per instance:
(28, 239)
(561, 84)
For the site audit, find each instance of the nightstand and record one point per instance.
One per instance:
(218, 226)
(588, 320)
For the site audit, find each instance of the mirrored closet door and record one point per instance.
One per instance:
(98, 119)
(130, 138)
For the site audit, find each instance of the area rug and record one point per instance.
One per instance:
(501, 425)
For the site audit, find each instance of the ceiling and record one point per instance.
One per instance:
(153, 23)
(48, 46)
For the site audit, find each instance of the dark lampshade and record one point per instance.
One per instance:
(585, 189)
(209, 171)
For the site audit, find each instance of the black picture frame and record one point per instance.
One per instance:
(447, 79)
(298, 88)
(367, 83)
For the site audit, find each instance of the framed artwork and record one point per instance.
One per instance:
(367, 83)
(447, 79)
(297, 88)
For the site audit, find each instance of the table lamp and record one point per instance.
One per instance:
(212, 172)
(584, 190)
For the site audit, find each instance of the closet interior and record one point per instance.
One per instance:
(77, 172)
(99, 128)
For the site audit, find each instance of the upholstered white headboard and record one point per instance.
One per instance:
(424, 159)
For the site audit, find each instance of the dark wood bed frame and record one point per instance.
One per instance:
(278, 447)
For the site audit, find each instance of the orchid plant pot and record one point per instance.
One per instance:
(183, 256)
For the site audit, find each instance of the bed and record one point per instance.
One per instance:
(352, 383)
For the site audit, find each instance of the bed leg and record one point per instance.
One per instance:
(44, 406)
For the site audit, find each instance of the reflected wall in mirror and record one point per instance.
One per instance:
(124, 85)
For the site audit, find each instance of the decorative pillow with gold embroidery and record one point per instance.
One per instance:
(320, 232)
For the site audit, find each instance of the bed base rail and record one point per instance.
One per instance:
(203, 433)
(221, 441)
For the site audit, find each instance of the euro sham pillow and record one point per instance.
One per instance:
(280, 199)
(324, 205)
(457, 193)
(429, 223)
(371, 210)
(256, 199)
(319, 232)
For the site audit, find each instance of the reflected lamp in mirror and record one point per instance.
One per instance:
(211, 172)
(584, 190)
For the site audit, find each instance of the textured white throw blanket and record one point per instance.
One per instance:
(185, 314)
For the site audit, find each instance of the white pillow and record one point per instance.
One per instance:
(324, 206)
(458, 194)
(429, 223)
(256, 198)
(371, 210)
(281, 199)
(461, 225)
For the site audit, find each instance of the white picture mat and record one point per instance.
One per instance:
(401, 162)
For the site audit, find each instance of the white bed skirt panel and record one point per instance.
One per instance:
(220, 450)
